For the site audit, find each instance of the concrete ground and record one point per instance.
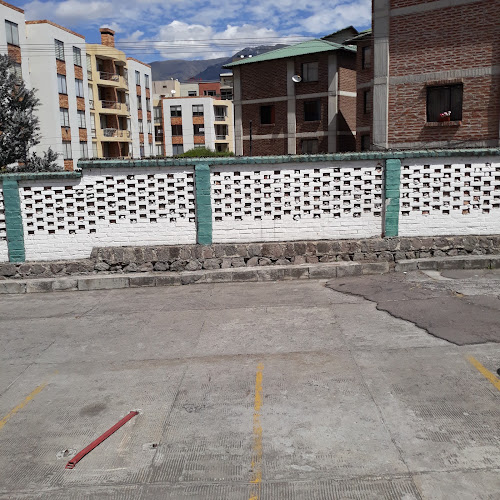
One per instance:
(286, 390)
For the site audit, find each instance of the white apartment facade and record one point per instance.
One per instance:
(141, 108)
(60, 78)
(197, 122)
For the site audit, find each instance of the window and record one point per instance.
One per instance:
(197, 109)
(89, 65)
(141, 127)
(141, 151)
(209, 92)
(12, 30)
(91, 97)
(92, 125)
(176, 130)
(61, 84)
(77, 56)
(192, 93)
(177, 149)
(309, 146)
(94, 150)
(18, 72)
(226, 94)
(67, 155)
(444, 99)
(267, 115)
(146, 79)
(81, 119)
(312, 110)
(139, 102)
(84, 151)
(79, 87)
(150, 127)
(366, 57)
(175, 111)
(151, 149)
(148, 104)
(220, 112)
(137, 78)
(367, 101)
(199, 129)
(64, 115)
(159, 150)
(310, 72)
(157, 113)
(59, 50)
(199, 146)
(365, 142)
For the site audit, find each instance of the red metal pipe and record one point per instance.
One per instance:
(71, 464)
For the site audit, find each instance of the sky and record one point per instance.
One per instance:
(153, 30)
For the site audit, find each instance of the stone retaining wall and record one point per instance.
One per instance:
(223, 256)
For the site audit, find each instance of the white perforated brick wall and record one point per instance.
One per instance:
(4, 254)
(296, 202)
(65, 219)
(450, 197)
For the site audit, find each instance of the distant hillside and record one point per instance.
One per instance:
(208, 70)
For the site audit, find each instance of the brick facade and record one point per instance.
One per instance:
(437, 46)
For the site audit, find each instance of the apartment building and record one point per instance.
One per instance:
(13, 38)
(165, 88)
(193, 122)
(60, 79)
(298, 99)
(429, 75)
(159, 147)
(226, 86)
(139, 75)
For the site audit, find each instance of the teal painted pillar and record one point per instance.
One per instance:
(392, 192)
(13, 221)
(203, 205)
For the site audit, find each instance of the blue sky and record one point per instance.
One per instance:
(200, 29)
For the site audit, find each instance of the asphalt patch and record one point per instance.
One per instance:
(459, 319)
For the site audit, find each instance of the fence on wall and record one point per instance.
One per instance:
(57, 216)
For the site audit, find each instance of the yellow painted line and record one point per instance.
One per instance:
(22, 404)
(256, 477)
(484, 372)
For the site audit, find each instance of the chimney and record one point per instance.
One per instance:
(107, 37)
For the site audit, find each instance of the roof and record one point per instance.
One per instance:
(45, 21)
(361, 36)
(300, 49)
(137, 61)
(342, 35)
(11, 6)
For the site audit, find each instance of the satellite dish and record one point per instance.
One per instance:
(173, 91)
(242, 56)
(296, 78)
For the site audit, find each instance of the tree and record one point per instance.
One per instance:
(19, 127)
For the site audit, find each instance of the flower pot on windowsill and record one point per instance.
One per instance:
(444, 118)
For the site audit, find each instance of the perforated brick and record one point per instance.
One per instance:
(4, 256)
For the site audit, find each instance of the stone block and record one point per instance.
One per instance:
(300, 248)
(427, 264)
(255, 250)
(238, 262)
(312, 259)
(271, 274)
(103, 283)
(282, 262)
(57, 267)
(375, 267)
(139, 281)
(226, 263)
(288, 251)
(264, 261)
(39, 286)
(296, 273)
(192, 277)
(253, 262)
(63, 284)
(248, 275)
(212, 264)
(323, 271)
(101, 266)
(178, 265)
(477, 262)
(168, 280)
(273, 250)
(193, 265)
(9, 269)
(79, 267)
(12, 287)
(323, 247)
(131, 268)
(494, 261)
(405, 266)
(349, 269)
(299, 259)
(218, 277)
(161, 266)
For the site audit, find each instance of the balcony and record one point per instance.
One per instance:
(114, 107)
(110, 133)
(159, 138)
(220, 137)
(220, 118)
(112, 79)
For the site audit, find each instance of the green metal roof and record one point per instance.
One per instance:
(300, 49)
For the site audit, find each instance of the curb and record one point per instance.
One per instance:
(442, 263)
(157, 279)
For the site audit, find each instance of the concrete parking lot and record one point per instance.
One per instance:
(290, 390)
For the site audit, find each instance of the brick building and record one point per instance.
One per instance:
(423, 58)
(314, 115)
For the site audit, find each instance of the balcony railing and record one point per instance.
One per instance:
(89, 75)
(113, 132)
(220, 137)
(104, 75)
(159, 138)
(111, 104)
(93, 132)
(91, 103)
(220, 118)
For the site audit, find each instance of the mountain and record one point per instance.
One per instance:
(207, 70)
